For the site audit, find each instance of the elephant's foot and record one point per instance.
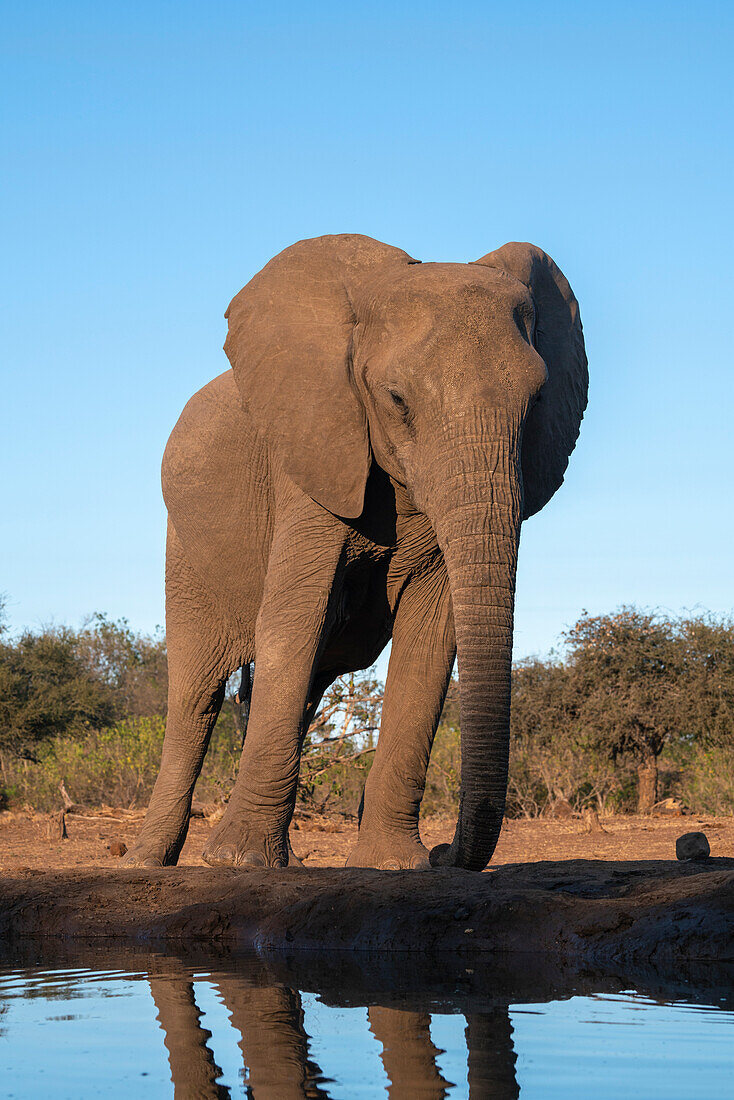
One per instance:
(388, 852)
(149, 853)
(247, 845)
(293, 860)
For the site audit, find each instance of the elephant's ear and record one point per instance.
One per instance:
(553, 423)
(289, 343)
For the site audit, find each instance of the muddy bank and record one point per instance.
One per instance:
(588, 912)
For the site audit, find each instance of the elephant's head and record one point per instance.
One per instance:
(467, 384)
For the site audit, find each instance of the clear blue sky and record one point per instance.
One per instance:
(157, 154)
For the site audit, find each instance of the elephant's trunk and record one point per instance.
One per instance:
(477, 514)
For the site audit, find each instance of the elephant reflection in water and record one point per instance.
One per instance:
(275, 1046)
(273, 1041)
(409, 1055)
(193, 1070)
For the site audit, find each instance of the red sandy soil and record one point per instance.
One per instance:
(325, 842)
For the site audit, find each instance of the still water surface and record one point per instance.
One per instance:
(157, 1026)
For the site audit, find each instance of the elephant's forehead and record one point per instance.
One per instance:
(432, 297)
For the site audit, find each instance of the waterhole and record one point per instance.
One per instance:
(83, 1024)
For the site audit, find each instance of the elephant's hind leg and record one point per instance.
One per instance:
(198, 666)
(423, 651)
(291, 626)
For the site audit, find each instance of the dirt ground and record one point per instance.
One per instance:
(325, 842)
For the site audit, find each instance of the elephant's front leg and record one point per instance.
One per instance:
(423, 651)
(290, 627)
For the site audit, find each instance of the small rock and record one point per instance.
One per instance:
(461, 913)
(670, 806)
(692, 846)
(592, 822)
(118, 848)
(561, 810)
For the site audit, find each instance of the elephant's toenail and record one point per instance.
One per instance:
(251, 859)
(226, 855)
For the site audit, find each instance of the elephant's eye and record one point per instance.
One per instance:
(398, 401)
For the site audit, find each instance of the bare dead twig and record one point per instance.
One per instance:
(340, 760)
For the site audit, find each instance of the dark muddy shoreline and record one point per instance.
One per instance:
(431, 982)
(577, 912)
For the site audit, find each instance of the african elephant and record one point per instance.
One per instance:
(361, 473)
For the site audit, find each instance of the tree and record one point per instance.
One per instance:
(542, 770)
(343, 731)
(707, 706)
(58, 681)
(628, 676)
(133, 666)
(46, 688)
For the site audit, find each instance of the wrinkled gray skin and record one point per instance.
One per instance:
(361, 473)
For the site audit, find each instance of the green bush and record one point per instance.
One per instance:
(541, 773)
(115, 766)
(444, 772)
(703, 779)
(640, 706)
